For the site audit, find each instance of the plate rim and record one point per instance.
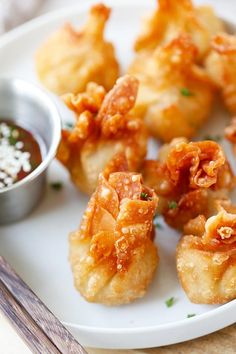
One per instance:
(227, 308)
(128, 330)
(53, 15)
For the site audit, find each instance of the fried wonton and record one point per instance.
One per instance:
(175, 95)
(221, 66)
(112, 256)
(174, 17)
(230, 133)
(104, 128)
(206, 259)
(68, 60)
(189, 179)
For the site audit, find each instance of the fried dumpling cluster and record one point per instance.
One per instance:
(221, 67)
(189, 178)
(175, 95)
(68, 60)
(183, 58)
(174, 17)
(104, 128)
(112, 255)
(206, 259)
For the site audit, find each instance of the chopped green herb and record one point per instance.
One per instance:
(69, 125)
(170, 302)
(12, 140)
(212, 137)
(185, 92)
(156, 222)
(14, 134)
(191, 315)
(144, 196)
(157, 225)
(173, 204)
(57, 186)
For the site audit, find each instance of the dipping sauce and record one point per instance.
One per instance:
(20, 153)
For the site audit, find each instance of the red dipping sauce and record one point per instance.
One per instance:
(20, 153)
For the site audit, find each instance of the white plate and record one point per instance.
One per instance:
(37, 247)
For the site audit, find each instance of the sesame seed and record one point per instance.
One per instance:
(19, 145)
(8, 181)
(12, 158)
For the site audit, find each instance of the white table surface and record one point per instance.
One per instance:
(10, 342)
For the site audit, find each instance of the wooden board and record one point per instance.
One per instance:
(221, 342)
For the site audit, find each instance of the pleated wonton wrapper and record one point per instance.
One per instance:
(104, 128)
(175, 95)
(68, 60)
(174, 17)
(189, 178)
(206, 259)
(112, 255)
(221, 67)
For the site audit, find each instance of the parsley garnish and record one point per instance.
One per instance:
(173, 204)
(13, 137)
(170, 302)
(156, 223)
(12, 140)
(185, 92)
(69, 125)
(191, 315)
(212, 137)
(145, 196)
(57, 186)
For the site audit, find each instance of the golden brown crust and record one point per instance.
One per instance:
(206, 263)
(220, 229)
(190, 179)
(175, 95)
(104, 128)
(221, 67)
(68, 60)
(175, 17)
(224, 43)
(195, 226)
(202, 161)
(112, 255)
(188, 206)
(230, 133)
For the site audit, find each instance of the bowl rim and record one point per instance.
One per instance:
(56, 130)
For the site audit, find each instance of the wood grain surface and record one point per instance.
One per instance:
(221, 342)
(32, 319)
(24, 325)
